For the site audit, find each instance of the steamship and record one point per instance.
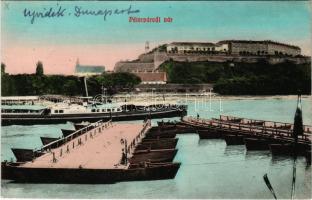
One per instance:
(62, 113)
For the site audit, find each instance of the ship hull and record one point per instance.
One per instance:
(288, 149)
(77, 118)
(163, 155)
(209, 134)
(234, 139)
(256, 144)
(89, 176)
(158, 144)
(47, 140)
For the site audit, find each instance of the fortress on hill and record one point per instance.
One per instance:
(249, 51)
(236, 47)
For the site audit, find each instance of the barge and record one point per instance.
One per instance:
(94, 154)
(149, 171)
(157, 144)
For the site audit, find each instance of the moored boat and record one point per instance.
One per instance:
(48, 140)
(233, 139)
(161, 155)
(81, 125)
(160, 135)
(67, 132)
(11, 115)
(148, 171)
(288, 149)
(178, 129)
(162, 123)
(282, 149)
(209, 134)
(23, 155)
(152, 171)
(157, 144)
(256, 144)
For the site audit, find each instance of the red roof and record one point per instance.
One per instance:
(152, 76)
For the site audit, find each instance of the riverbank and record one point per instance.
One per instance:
(240, 78)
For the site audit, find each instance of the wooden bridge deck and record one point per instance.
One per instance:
(247, 129)
(98, 148)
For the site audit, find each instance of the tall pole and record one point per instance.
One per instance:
(293, 185)
(85, 84)
(267, 182)
(102, 93)
(210, 100)
(298, 130)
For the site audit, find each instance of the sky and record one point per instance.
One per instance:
(59, 41)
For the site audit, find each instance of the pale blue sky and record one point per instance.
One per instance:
(283, 21)
(58, 42)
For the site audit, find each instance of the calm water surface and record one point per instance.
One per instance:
(210, 168)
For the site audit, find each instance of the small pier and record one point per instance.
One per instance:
(254, 134)
(241, 126)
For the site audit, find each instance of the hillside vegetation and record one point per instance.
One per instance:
(40, 84)
(243, 78)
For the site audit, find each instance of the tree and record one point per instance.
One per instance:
(70, 88)
(5, 81)
(2, 68)
(39, 68)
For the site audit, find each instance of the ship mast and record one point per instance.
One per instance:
(298, 130)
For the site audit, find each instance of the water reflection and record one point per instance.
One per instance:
(257, 155)
(234, 150)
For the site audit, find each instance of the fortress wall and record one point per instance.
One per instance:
(146, 57)
(159, 58)
(253, 48)
(215, 58)
(233, 58)
(133, 66)
(272, 48)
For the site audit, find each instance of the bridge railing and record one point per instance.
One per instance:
(64, 140)
(267, 123)
(247, 128)
(147, 124)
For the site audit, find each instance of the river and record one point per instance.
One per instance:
(210, 168)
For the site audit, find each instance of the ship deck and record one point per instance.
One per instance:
(102, 150)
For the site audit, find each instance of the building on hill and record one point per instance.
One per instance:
(88, 70)
(185, 47)
(260, 48)
(235, 47)
(129, 66)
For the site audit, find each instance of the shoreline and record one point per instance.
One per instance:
(177, 96)
(214, 96)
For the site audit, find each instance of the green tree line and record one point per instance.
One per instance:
(40, 84)
(230, 78)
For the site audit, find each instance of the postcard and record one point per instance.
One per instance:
(156, 99)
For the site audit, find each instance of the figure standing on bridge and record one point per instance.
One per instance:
(123, 157)
(54, 159)
(197, 116)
